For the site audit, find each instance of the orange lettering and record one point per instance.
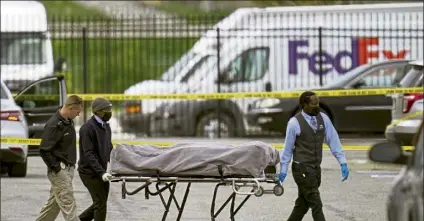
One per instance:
(390, 55)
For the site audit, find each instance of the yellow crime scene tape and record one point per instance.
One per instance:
(36, 142)
(216, 96)
(282, 94)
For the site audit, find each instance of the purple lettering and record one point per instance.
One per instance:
(338, 62)
(294, 55)
(329, 61)
(355, 53)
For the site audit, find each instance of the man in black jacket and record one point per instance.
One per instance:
(58, 150)
(95, 147)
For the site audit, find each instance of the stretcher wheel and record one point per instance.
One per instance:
(259, 192)
(278, 190)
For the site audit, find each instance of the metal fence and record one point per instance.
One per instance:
(168, 55)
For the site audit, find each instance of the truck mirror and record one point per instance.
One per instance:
(60, 65)
(268, 87)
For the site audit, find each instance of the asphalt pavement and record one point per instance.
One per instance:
(361, 198)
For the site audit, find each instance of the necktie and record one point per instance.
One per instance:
(314, 123)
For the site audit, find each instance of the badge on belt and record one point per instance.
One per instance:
(62, 165)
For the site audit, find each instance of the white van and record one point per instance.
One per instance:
(272, 18)
(26, 48)
(287, 58)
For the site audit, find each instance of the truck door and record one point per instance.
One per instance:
(246, 74)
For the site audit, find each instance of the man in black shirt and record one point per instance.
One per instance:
(95, 149)
(58, 151)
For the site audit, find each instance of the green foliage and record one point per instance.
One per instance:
(68, 9)
(190, 12)
(114, 65)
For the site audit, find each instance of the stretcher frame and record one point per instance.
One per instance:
(170, 183)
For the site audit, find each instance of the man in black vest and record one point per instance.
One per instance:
(305, 136)
(95, 149)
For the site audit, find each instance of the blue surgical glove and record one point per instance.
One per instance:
(345, 171)
(282, 177)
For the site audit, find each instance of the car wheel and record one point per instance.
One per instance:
(18, 169)
(207, 126)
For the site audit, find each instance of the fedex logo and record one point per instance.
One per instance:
(359, 54)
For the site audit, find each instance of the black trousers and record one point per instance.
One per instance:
(308, 180)
(99, 191)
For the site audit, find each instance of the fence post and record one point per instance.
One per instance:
(108, 62)
(84, 68)
(219, 79)
(320, 55)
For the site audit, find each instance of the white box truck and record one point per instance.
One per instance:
(26, 47)
(285, 54)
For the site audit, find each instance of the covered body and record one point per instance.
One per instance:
(194, 159)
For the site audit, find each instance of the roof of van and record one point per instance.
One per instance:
(375, 15)
(395, 7)
(23, 16)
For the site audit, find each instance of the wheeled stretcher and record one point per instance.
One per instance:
(160, 170)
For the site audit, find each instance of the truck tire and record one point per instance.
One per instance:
(228, 128)
(18, 169)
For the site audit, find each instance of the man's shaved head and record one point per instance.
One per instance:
(73, 106)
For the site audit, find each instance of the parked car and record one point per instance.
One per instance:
(348, 114)
(199, 118)
(34, 111)
(407, 108)
(13, 157)
(405, 201)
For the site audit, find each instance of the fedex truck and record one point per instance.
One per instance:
(286, 54)
(26, 47)
(243, 20)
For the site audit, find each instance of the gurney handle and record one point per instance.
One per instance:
(257, 189)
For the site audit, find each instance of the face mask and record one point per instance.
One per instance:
(106, 117)
(314, 111)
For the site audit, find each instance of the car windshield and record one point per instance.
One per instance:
(23, 48)
(339, 82)
(175, 69)
(413, 78)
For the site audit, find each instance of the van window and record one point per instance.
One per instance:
(251, 65)
(23, 48)
(199, 67)
(256, 64)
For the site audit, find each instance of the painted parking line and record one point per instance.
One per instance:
(380, 173)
